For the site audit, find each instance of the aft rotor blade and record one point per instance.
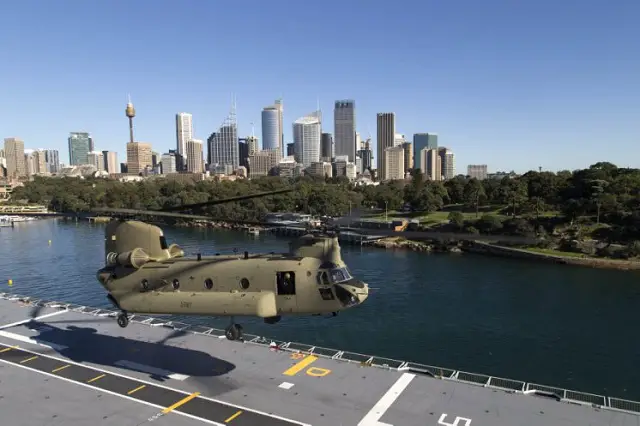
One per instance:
(133, 212)
(224, 200)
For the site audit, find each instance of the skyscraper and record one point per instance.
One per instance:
(194, 156)
(344, 121)
(420, 142)
(14, 154)
(326, 147)
(79, 148)
(386, 124)
(271, 131)
(280, 107)
(138, 157)
(306, 138)
(110, 162)
(184, 133)
(52, 159)
(223, 146)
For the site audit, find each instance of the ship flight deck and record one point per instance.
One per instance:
(73, 365)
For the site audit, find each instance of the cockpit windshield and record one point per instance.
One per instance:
(339, 275)
(334, 276)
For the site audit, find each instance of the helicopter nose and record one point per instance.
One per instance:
(360, 289)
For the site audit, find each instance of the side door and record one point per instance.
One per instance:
(286, 297)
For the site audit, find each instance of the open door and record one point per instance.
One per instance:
(286, 291)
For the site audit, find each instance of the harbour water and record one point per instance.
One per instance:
(549, 324)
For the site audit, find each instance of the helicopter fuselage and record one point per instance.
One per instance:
(267, 286)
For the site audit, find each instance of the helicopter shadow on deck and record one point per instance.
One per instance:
(86, 345)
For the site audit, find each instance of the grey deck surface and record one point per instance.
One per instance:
(53, 362)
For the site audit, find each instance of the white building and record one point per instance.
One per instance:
(306, 139)
(184, 133)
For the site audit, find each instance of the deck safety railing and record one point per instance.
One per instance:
(508, 385)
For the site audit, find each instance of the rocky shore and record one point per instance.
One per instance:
(211, 225)
(502, 251)
(404, 244)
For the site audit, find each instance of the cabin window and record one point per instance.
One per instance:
(326, 293)
(163, 243)
(244, 283)
(286, 282)
(323, 278)
(208, 283)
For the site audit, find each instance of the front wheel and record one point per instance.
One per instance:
(233, 332)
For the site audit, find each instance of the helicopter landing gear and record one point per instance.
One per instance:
(234, 331)
(123, 319)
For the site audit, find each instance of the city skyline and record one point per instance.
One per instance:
(506, 94)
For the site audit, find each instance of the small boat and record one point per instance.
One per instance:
(253, 231)
(12, 219)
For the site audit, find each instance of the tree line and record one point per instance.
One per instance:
(600, 194)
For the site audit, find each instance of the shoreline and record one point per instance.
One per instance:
(473, 247)
(487, 249)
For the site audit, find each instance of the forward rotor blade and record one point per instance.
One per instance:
(224, 200)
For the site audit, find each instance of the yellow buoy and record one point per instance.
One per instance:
(10, 282)
(49, 242)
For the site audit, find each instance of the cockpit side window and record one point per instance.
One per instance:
(163, 243)
(337, 276)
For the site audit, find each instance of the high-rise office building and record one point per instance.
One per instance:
(194, 156)
(243, 151)
(366, 156)
(408, 156)
(422, 141)
(271, 130)
(138, 157)
(223, 146)
(394, 163)
(168, 162)
(279, 104)
(30, 162)
(80, 144)
(386, 126)
(14, 156)
(326, 147)
(110, 162)
(184, 133)
(252, 145)
(52, 159)
(96, 158)
(344, 132)
(430, 159)
(306, 138)
(448, 163)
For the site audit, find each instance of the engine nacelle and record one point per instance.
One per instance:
(135, 258)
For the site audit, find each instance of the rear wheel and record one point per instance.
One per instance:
(123, 320)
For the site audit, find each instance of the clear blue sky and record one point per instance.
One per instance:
(515, 85)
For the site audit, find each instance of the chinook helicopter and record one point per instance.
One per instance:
(143, 274)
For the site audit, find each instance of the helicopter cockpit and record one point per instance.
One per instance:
(346, 287)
